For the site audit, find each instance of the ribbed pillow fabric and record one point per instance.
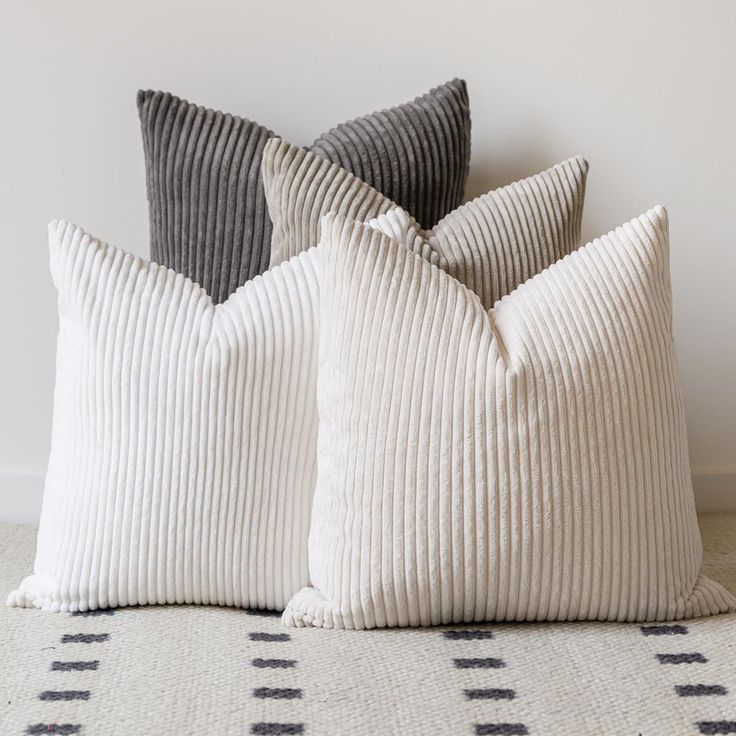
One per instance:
(416, 154)
(490, 244)
(524, 464)
(182, 454)
(208, 215)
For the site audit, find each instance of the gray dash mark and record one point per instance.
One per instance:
(275, 729)
(262, 612)
(84, 638)
(64, 695)
(74, 666)
(490, 693)
(663, 630)
(60, 729)
(262, 636)
(713, 728)
(684, 658)
(500, 729)
(96, 612)
(685, 691)
(467, 634)
(479, 663)
(278, 693)
(279, 664)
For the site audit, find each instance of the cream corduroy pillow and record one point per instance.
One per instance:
(523, 464)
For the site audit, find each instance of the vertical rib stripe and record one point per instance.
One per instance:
(470, 461)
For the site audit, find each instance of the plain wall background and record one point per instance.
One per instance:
(645, 90)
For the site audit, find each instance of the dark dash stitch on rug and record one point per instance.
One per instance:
(490, 693)
(60, 729)
(479, 663)
(75, 666)
(278, 693)
(64, 695)
(96, 612)
(279, 664)
(663, 630)
(84, 638)
(696, 690)
(262, 612)
(263, 636)
(467, 634)
(500, 729)
(276, 729)
(715, 728)
(684, 658)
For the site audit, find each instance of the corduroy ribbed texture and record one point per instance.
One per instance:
(208, 215)
(183, 448)
(416, 154)
(527, 463)
(301, 188)
(490, 244)
(500, 239)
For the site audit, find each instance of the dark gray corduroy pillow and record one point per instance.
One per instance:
(207, 207)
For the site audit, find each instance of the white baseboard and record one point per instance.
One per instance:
(20, 495)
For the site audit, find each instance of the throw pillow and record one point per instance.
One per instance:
(523, 464)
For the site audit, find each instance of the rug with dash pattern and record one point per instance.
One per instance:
(192, 670)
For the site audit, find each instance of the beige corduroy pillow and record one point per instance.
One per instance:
(523, 464)
(490, 244)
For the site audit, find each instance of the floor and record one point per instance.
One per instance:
(194, 670)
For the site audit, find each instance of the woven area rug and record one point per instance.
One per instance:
(192, 670)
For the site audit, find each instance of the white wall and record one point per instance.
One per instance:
(644, 89)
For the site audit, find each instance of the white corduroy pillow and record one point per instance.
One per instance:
(183, 447)
(523, 464)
